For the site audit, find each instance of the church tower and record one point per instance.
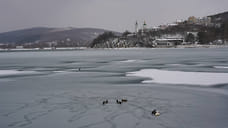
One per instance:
(136, 27)
(144, 27)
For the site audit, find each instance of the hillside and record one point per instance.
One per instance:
(220, 17)
(57, 36)
(206, 30)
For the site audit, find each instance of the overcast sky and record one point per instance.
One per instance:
(118, 15)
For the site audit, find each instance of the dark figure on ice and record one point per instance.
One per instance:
(105, 102)
(124, 100)
(118, 102)
(155, 112)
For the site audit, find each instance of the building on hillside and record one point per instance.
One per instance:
(155, 28)
(193, 33)
(163, 27)
(192, 20)
(206, 21)
(19, 47)
(168, 42)
(172, 24)
(162, 43)
(178, 22)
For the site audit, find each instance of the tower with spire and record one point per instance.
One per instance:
(136, 27)
(144, 26)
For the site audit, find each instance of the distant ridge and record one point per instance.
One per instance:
(79, 36)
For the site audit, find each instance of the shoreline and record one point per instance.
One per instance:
(84, 48)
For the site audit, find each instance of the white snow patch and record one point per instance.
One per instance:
(220, 67)
(14, 72)
(182, 65)
(180, 77)
(59, 71)
(176, 65)
(128, 61)
(131, 61)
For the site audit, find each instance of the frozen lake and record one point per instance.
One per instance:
(65, 89)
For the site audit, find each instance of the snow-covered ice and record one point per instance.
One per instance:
(46, 89)
(180, 77)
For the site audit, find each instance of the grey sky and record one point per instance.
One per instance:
(117, 15)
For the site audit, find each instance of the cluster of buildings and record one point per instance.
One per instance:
(144, 27)
(205, 21)
(168, 40)
(192, 20)
(174, 39)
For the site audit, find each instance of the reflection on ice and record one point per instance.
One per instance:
(180, 77)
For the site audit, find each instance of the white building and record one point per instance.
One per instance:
(168, 42)
(19, 47)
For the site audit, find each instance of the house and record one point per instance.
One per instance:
(167, 42)
(192, 20)
(19, 47)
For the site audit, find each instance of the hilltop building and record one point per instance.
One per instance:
(192, 20)
(205, 21)
(179, 22)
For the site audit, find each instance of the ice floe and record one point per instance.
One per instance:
(181, 77)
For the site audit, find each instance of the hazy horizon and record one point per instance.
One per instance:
(116, 15)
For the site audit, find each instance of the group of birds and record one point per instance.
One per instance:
(117, 101)
(154, 112)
